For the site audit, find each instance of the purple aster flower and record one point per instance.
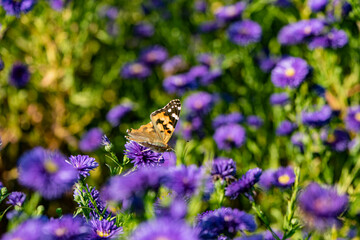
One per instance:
(279, 99)
(267, 179)
(205, 59)
(2, 64)
(115, 114)
(185, 180)
(135, 70)
(1, 185)
(46, 172)
(321, 206)
(144, 30)
(80, 196)
(284, 177)
(19, 75)
(317, 118)
(109, 12)
(199, 103)
(268, 235)
(200, 6)
(66, 228)
(224, 169)
(178, 84)
(333, 39)
(296, 33)
(283, 3)
(285, 128)
(317, 5)
(83, 164)
(229, 136)
(298, 140)
(230, 12)
(16, 7)
(210, 77)
(91, 140)
(244, 184)
(198, 72)
(173, 65)
(290, 72)
(192, 128)
(104, 229)
(153, 55)
(225, 119)
(244, 32)
(31, 229)
(267, 63)
(57, 5)
(338, 139)
(142, 156)
(177, 209)
(164, 228)
(210, 26)
(254, 121)
(352, 119)
(16, 198)
(250, 237)
(224, 221)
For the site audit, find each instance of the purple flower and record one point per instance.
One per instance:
(338, 139)
(57, 5)
(115, 114)
(296, 33)
(1, 185)
(224, 221)
(254, 121)
(298, 140)
(200, 6)
(210, 26)
(31, 229)
(46, 172)
(80, 196)
(317, 5)
(267, 63)
(199, 103)
(16, 7)
(225, 119)
(250, 237)
(144, 30)
(19, 75)
(317, 118)
(109, 12)
(244, 184)
(224, 169)
(104, 229)
(267, 179)
(16, 198)
(164, 228)
(83, 164)
(284, 177)
(66, 228)
(230, 12)
(178, 84)
(321, 206)
(279, 99)
(229, 136)
(91, 140)
(244, 32)
(2, 64)
(210, 77)
(173, 65)
(352, 119)
(153, 55)
(142, 156)
(135, 70)
(290, 72)
(205, 59)
(197, 72)
(285, 128)
(333, 39)
(192, 128)
(176, 210)
(268, 235)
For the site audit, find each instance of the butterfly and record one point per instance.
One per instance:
(156, 134)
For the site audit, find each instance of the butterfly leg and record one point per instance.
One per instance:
(148, 149)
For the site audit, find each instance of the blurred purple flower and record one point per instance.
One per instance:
(65, 228)
(210, 26)
(211, 77)
(321, 206)
(206, 59)
(267, 63)
(230, 12)
(254, 121)
(279, 98)
(83, 164)
(333, 39)
(178, 83)
(16, 198)
(267, 179)
(197, 72)
(177, 209)
(290, 72)
(337, 139)
(200, 6)
(144, 30)
(16, 7)
(285, 128)
(223, 169)
(317, 5)
(19, 75)
(199, 103)
(225, 119)
(244, 184)
(58, 5)
(153, 55)
(31, 229)
(115, 114)
(91, 140)
(164, 228)
(250, 237)
(229, 136)
(142, 156)
(244, 32)
(173, 65)
(100, 204)
(2, 64)
(104, 229)
(268, 235)
(284, 177)
(317, 118)
(46, 172)
(298, 140)
(352, 119)
(135, 70)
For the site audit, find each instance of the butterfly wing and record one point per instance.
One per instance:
(146, 133)
(165, 119)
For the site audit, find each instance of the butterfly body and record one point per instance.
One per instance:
(156, 134)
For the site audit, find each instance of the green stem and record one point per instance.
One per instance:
(2, 215)
(264, 219)
(83, 185)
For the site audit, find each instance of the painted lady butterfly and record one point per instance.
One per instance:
(156, 134)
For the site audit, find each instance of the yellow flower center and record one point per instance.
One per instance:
(60, 232)
(50, 166)
(151, 56)
(102, 234)
(136, 68)
(289, 72)
(307, 30)
(357, 116)
(284, 179)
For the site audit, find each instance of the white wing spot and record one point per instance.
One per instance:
(175, 116)
(169, 110)
(179, 108)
